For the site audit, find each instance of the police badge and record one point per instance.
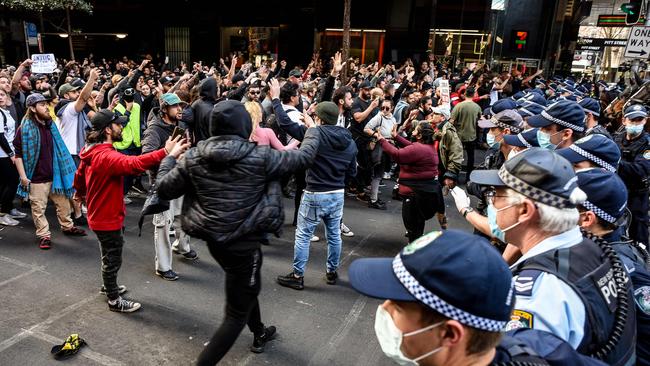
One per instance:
(642, 298)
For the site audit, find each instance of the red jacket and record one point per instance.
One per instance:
(100, 179)
(416, 160)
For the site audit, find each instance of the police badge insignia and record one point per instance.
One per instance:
(519, 319)
(646, 154)
(642, 298)
(421, 242)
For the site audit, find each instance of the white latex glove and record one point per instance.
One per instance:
(461, 199)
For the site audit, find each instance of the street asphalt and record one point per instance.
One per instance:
(47, 295)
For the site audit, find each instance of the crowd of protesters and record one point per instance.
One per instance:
(561, 195)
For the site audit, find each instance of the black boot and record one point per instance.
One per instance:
(259, 341)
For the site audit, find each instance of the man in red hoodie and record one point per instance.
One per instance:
(99, 182)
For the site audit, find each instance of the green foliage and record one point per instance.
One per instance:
(47, 5)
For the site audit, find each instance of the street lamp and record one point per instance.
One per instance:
(120, 35)
(63, 35)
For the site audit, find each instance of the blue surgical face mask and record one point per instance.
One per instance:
(544, 140)
(634, 130)
(492, 141)
(496, 231)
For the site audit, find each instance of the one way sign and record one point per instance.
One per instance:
(638, 44)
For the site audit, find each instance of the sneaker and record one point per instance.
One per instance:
(45, 243)
(291, 281)
(260, 341)
(121, 305)
(8, 221)
(331, 277)
(345, 231)
(138, 190)
(120, 290)
(387, 175)
(127, 201)
(378, 204)
(15, 214)
(167, 275)
(80, 221)
(192, 255)
(74, 231)
(314, 238)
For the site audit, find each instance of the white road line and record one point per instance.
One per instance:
(323, 355)
(33, 270)
(37, 327)
(359, 245)
(23, 264)
(85, 351)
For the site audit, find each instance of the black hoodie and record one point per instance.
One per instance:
(202, 109)
(335, 161)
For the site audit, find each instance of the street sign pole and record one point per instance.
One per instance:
(26, 38)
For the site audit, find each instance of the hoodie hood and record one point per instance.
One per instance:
(58, 109)
(89, 151)
(208, 89)
(221, 151)
(230, 118)
(335, 136)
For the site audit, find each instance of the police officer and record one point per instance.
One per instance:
(593, 151)
(448, 297)
(592, 111)
(564, 284)
(529, 109)
(559, 125)
(634, 168)
(602, 214)
(522, 141)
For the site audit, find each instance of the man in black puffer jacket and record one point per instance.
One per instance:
(232, 197)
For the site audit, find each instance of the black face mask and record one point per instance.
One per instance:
(128, 98)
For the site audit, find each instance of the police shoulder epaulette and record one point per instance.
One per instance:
(525, 281)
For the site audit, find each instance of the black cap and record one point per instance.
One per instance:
(539, 174)
(105, 117)
(365, 85)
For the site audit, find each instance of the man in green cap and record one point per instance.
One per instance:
(159, 129)
(323, 197)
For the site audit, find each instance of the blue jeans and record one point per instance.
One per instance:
(313, 208)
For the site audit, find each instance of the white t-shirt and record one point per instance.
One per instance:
(68, 125)
(9, 129)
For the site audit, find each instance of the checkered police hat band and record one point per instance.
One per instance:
(593, 158)
(531, 192)
(599, 212)
(523, 141)
(561, 122)
(514, 129)
(440, 305)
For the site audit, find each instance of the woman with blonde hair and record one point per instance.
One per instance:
(262, 135)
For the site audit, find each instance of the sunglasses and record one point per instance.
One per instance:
(385, 108)
(254, 92)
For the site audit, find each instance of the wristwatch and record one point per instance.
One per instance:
(468, 209)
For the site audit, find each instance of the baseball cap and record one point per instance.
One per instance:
(590, 105)
(635, 111)
(505, 119)
(166, 80)
(456, 274)
(538, 174)
(529, 109)
(596, 148)
(34, 98)
(527, 138)
(104, 117)
(606, 194)
(365, 85)
(170, 99)
(296, 73)
(441, 110)
(534, 98)
(565, 113)
(66, 88)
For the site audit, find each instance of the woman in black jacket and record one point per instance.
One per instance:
(233, 196)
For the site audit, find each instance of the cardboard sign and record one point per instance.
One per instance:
(43, 63)
(444, 92)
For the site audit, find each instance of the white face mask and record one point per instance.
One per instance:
(513, 153)
(390, 338)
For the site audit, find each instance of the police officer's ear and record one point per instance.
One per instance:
(452, 333)
(587, 219)
(567, 134)
(527, 211)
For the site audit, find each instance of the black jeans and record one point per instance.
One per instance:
(416, 210)
(110, 244)
(469, 147)
(637, 202)
(242, 287)
(8, 184)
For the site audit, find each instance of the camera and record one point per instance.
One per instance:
(128, 95)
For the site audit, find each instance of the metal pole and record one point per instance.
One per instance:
(26, 38)
(635, 63)
(67, 15)
(460, 36)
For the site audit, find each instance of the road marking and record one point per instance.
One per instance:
(36, 327)
(359, 245)
(33, 270)
(324, 354)
(23, 264)
(85, 351)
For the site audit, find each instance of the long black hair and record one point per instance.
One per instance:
(425, 133)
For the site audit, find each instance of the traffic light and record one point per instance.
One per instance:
(632, 11)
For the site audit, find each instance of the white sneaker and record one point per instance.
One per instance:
(127, 201)
(15, 214)
(8, 221)
(386, 175)
(345, 231)
(315, 238)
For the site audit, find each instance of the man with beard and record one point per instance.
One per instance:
(363, 109)
(99, 181)
(45, 168)
(159, 130)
